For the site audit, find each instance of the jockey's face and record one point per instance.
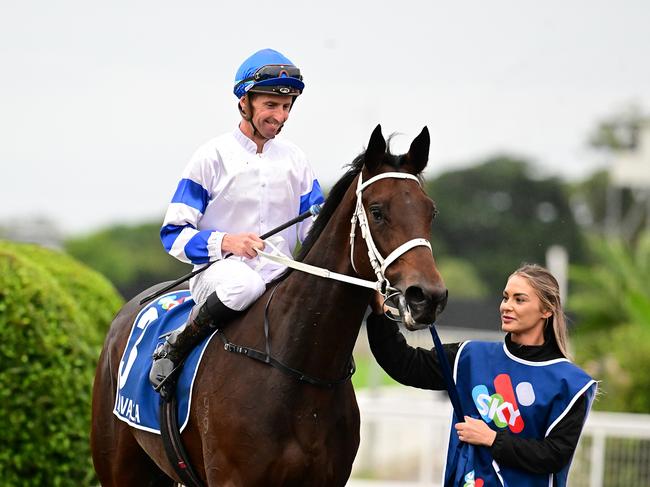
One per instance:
(269, 112)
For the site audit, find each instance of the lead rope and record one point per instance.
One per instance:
(452, 391)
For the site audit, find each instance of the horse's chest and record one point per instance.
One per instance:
(309, 446)
(315, 465)
(322, 447)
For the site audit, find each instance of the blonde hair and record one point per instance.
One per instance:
(548, 291)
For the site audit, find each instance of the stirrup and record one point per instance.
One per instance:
(166, 379)
(170, 381)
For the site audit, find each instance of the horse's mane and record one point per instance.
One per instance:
(336, 195)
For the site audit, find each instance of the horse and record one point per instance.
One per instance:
(255, 425)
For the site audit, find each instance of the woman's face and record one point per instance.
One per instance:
(521, 312)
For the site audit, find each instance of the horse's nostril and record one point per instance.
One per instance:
(414, 294)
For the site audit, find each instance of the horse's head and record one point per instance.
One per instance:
(395, 216)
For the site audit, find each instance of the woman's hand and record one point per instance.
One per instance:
(377, 304)
(241, 244)
(475, 432)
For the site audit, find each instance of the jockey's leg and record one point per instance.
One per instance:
(226, 288)
(202, 322)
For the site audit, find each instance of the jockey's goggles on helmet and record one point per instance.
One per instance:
(281, 79)
(276, 71)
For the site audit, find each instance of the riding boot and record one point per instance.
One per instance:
(203, 320)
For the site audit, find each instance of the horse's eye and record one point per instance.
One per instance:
(376, 213)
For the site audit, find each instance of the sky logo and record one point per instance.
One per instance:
(470, 481)
(502, 407)
(168, 302)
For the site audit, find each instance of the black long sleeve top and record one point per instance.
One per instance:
(420, 368)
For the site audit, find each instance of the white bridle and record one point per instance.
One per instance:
(379, 263)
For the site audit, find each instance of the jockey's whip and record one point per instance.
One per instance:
(313, 211)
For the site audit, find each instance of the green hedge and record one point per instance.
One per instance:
(54, 313)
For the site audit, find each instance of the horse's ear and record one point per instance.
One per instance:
(376, 149)
(418, 154)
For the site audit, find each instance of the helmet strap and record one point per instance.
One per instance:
(249, 116)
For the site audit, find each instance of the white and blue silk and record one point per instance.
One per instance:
(228, 187)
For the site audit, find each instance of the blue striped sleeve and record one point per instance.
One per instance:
(314, 197)
(191, 194)
(169, 234)
(196, 249)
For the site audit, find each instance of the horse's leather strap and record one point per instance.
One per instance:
(266, 357)
(173, 444)
(318, 271)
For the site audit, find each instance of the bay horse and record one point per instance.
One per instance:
(251, 424)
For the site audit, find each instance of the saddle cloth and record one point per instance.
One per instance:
(136, 403)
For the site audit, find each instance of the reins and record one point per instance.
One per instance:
(377, 261)
(314, 210)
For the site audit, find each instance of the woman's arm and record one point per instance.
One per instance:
(548, 455)
(416, 367)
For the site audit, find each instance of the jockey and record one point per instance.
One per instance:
(236, 187)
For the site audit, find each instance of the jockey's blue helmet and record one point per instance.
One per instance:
(268, 71)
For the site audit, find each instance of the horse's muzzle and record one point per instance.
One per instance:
(419, 309)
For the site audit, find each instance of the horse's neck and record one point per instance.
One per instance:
(322, 317)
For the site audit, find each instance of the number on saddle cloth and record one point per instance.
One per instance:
(136, 402)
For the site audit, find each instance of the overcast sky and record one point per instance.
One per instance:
(102, 103)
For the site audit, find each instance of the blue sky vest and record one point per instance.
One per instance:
(527, 398)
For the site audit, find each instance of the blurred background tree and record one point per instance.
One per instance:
(497, 215)
(131, 257)
(611, 299)
(610, 292)
(619, 130)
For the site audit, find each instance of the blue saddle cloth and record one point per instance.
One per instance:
(136, 403)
